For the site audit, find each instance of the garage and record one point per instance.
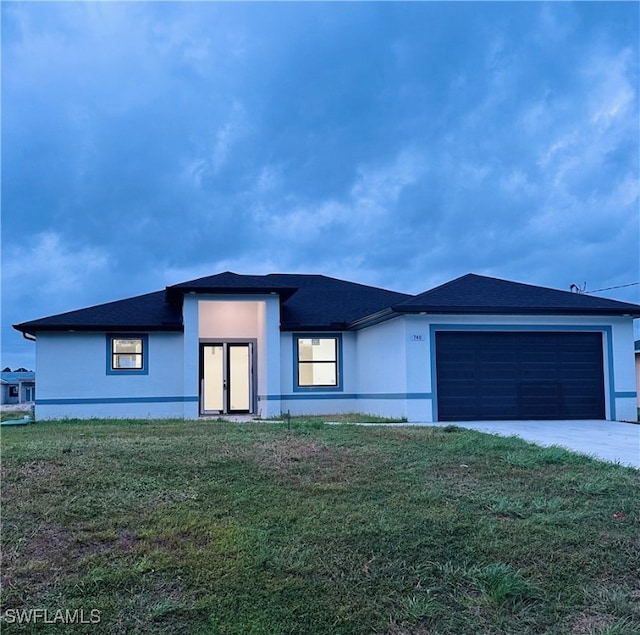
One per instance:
(493, 375)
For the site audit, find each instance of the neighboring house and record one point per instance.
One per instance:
(474, 348)
(17, 387)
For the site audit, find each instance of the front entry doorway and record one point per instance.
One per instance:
(226, 378)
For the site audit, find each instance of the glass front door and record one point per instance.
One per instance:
(226, 385)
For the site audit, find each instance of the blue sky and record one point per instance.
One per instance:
(393, 144)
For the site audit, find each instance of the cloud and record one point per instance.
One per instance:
(399, 144)
(43, 275)
(216, 149)
(612, 96)
(371, 199)
(51, 268)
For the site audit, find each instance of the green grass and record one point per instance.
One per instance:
(350, 417)
(209, 527)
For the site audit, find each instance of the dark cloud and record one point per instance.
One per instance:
(398, 144)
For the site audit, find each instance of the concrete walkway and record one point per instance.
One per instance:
(612, 441)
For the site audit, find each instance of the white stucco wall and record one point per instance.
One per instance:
(228, 318)
(624, 374)
(394, 360)
(318, 401)
(395, 369)
(389, 368)
(378, 376)
(72, 378)
(386, 369)
(269, 361)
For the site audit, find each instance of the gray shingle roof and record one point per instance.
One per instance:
(316, 302)
(149, 312)
(473, 293)
(229, 282)
(329, 303)
(308, 302)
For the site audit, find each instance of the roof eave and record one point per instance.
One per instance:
(34, 329)
(373, 319)
(320, 328)
(471, 310)
(176, 293)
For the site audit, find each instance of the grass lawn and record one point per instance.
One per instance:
(209, 527)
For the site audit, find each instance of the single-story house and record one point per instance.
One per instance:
(476, 347)
(17, 387)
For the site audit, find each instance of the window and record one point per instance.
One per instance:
(317, 362)
(14, 391)
(127, 354)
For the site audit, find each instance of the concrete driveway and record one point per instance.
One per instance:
(612, 441)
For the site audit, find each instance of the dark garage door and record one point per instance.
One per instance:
(505, 375)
